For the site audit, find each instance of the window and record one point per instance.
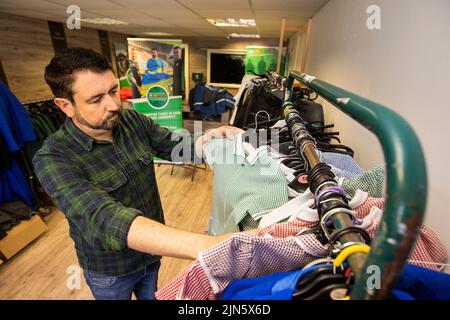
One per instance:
(226, 68)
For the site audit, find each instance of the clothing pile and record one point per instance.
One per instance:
(208, 103)
(251, 190)
(46, 119)
(11, 214)
(296, 253)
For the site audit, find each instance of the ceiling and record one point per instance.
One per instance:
(185, 18)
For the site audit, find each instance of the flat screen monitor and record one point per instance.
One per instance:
(226, 68)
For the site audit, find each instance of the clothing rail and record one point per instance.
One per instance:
(323, 184)
(406, 189)
(36, 101)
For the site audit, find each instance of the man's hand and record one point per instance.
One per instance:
(228, 132)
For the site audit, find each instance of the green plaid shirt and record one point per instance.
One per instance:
(101, 187)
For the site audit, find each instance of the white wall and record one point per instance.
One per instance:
(406, 66)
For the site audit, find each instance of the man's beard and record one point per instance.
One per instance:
(108, 123)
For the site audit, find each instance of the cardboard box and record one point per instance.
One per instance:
(20, 236)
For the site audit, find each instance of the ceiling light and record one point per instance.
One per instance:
(233, 22)
(156, 33)
(103, 21)
(244, 35)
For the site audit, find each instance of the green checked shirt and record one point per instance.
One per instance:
(101, 187)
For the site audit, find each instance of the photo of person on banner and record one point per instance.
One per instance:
(178, 71)
(152, 60)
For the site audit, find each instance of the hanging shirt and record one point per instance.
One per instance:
(193, 282)
(15, 124)
(301, 207)
(341, 161)
(14, 186)
(371, 181)
(245, 182)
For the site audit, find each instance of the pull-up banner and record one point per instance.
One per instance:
(151, 72)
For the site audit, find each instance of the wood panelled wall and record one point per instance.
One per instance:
(84, 37)
(25, 50)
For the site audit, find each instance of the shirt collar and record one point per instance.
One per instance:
(82, 138)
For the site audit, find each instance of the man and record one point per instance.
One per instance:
(98, 169)
(155, 64)
(177, 71)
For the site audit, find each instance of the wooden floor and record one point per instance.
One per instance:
(48, 267)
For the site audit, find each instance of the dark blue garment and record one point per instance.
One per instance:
(224, 102)
(416, 283)
(14, 186)
(197, 102)
(277, 286)
(209, 101)
(15, 124)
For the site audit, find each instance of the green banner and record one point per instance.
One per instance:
(165, 110)
(262, 59)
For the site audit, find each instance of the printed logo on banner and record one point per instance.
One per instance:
(157, 97)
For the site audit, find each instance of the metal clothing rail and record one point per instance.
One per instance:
(406, 189)
(331, 201)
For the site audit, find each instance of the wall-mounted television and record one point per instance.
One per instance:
(225, 68)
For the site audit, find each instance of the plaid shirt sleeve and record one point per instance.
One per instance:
(103, 220)
(168, 145)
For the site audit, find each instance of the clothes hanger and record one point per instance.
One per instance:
(318, 284)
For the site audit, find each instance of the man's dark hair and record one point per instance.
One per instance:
(59, 73)
(154, 49)
(176, 47)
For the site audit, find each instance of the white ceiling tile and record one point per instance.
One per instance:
(236, 5)
(288, 5)
(224, 14)
(161, 15)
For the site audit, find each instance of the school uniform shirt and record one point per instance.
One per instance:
(341, 161)
(246, 182)
(242, 256)
(301, 207)
(371, 181)
(194, 282)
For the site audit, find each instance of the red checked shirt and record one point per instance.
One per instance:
(276, 249)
